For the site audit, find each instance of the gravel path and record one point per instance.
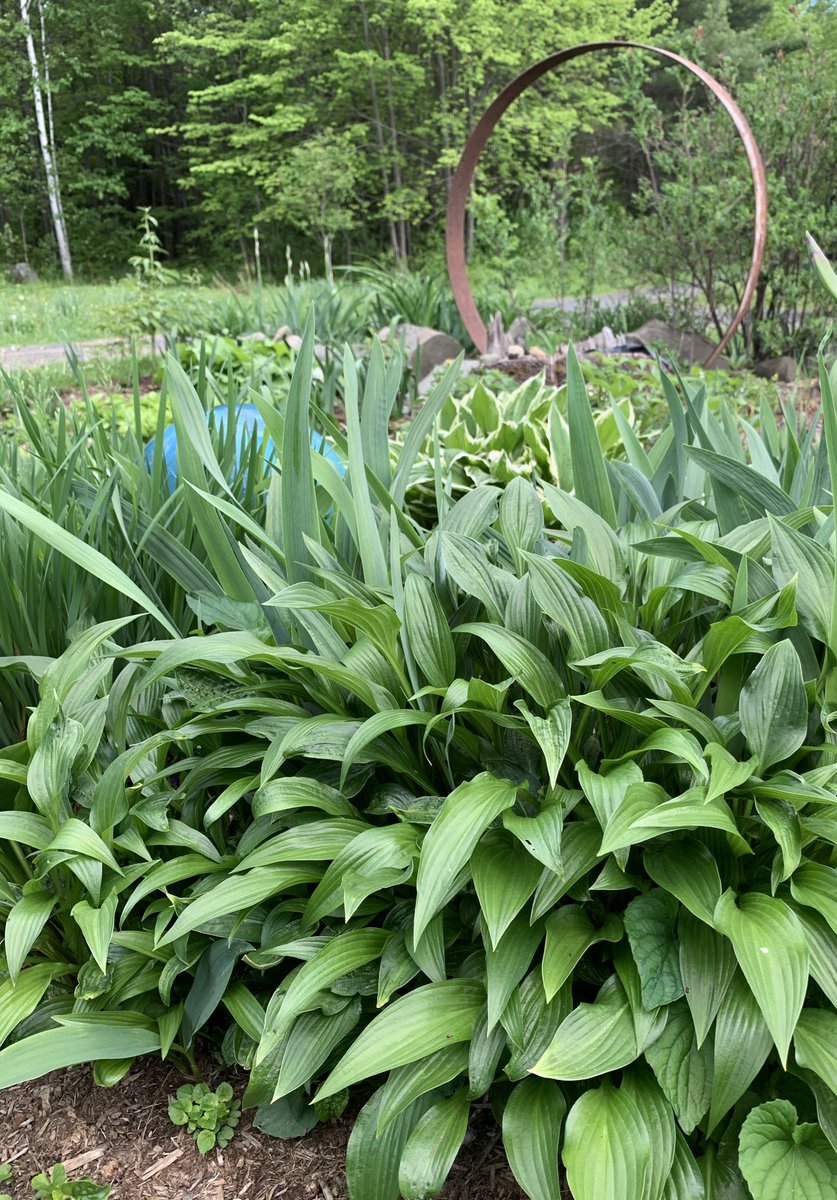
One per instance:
(12, 358)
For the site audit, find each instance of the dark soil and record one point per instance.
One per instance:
(122, 1136)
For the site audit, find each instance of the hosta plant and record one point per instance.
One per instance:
(534, 813)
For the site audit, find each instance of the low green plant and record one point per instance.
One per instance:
(526, 809)
(55, 1185)
(6, 1176)
(211, 1117)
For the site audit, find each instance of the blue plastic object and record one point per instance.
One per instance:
(248, 421)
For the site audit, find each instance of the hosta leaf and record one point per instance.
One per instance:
(311, 1040)
(521, 516)
(742, 1044)
(529, 665)
(687, 869)
(552, 733)
(815, 885)
(682, 1068)
(236, 894)
(428, 631)
(684, 1181)
(484, 1054)
(406, 1084)
(822, 951)
(707, 964)
(607, 1146)
(772, 951)
(24, 923)
(56, 1048)
(559, 596)
(531, 1134)
(425, 1020)
(773, 706)
(432, 1147)
(655, 1114)
(338, 957)
(650, 922)
(96, 924)
(507, 963)
(794, 554)
(726, 772)
(815, 1044)
(504, 879)
(372, 1159)
(19, 1000)
(594, 1038)
(542, 835)
(569, 934)
(783, 822)
(781, 1159)
(464, 817)
(375, 858)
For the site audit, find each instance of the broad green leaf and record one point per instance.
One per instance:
(407, 1083)
(451, 839)
(236, 894)
(794, 554)
(815, 885)
(56, 1048)
(531, 1135)
(507, 963)
(741, 1046)
(358, 868)
(96, 924)
(484, 1054)
(542, 834)
(593, 1040)
(707, 964)
(822, 950)
(425, 1020)
(77, 838)
(684, 1181)
(338, 957)
(781, 1159)
(772, 951)
(504, 879)
(552, 733)
(432, 1147)
(651, 922)
(782, 820)
(428, 631)
(369, 542)
(683, 1069)
(311, 1040)
(687, 869)
(18, 1000)
(24, 923)
(372, 1159)
(655, 1114)
(569, 934)
(815, 1044)
(529, 665)
(559, 596)
(773, 706)
(607, 1146)
(726, 772)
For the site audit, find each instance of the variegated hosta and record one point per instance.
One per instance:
(488, 437)
(543, 814)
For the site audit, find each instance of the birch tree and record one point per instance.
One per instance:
(45, 140)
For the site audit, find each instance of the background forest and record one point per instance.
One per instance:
(333, 127)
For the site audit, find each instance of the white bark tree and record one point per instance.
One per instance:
(45, 140)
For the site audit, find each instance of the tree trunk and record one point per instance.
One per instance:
(379, 130)
(50, 169)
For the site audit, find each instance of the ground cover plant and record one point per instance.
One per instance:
(507, 808)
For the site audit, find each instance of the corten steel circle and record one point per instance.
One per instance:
(462, 180)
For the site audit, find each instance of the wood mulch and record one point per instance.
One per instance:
(122, 1136)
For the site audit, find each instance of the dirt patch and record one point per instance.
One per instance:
(123, 1136)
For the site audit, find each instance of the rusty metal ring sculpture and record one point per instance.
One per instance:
(463, 179)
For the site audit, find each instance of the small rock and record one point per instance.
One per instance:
(538, 352)
(22, 273)
(293, 341)
(783, 369)
(520, 330)
(281, 334)
(515, 352)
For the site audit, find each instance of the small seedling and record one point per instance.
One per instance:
(5, 1177)
(56, 1186)
(211, 1117)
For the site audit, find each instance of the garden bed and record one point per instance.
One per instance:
(123, 1136)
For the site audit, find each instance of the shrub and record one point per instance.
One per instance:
(535, 812)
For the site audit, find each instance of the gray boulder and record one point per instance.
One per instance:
(22, 273)
(688, 347)
(783, 369)
(424, 348)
